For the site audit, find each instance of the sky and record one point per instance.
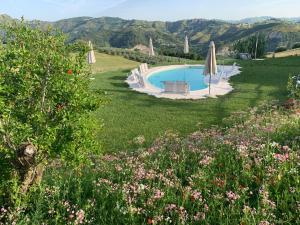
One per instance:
(165, 10)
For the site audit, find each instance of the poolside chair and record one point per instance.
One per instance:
(141, 81)
(141, 70)
(133, 76)
(146, 67)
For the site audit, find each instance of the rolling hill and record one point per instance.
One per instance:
(120, 33)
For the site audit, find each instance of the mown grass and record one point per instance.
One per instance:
(105, 63)
(129, 114)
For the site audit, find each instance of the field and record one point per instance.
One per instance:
(128, 114)
(292, 52)
(107, 63)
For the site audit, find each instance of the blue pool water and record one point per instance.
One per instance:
(193, 75)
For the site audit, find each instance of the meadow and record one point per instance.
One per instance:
(128, 115)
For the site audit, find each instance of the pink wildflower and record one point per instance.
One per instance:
(158, 194)
(231, 196)
(196, 196)
(79, 217)
(171, 207)
(206, 161)
(281, 157)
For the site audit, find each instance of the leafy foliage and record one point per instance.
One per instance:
(46, 101)
(294, 86)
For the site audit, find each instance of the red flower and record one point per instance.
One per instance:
(70, 72)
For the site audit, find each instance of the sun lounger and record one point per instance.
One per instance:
(177, 87)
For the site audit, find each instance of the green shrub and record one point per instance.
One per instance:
(45, 105)
(294, 86)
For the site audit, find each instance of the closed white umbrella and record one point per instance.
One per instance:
(211, 63)
(186, 46)
(151, 48)
(91, 54)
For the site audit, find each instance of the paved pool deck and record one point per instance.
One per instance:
(218, 87)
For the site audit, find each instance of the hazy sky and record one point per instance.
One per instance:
(150, 9)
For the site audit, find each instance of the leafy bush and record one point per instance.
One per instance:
(45, 106)
(281, 49)
(294, 86)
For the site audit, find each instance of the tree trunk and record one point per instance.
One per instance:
(29, 171)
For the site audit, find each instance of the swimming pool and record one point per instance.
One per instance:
(193, 75)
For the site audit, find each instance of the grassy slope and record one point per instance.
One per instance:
(130, 114)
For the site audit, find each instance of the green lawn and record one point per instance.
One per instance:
(107, 63)
(129, 114)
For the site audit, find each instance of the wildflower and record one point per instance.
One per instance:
(231, 196)
(170, 207)
(3, 210)
(118, 168)
(281, 157)
(199, 216)
(206, 161)
(219, 182)
(196, 196)
(264, 223)
(285, 148)
(182, 213)
(79, 217)
(70, 72)
(158, 194)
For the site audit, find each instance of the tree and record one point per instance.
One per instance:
(255, 45)
(46, 102)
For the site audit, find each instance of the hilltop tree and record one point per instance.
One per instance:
(45, 103)
(254, 45)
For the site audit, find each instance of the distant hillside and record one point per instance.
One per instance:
(264, 19)
(120, 33)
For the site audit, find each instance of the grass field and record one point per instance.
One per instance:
(129, 114)
(109, 63)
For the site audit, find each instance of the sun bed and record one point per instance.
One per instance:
(176, 87)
